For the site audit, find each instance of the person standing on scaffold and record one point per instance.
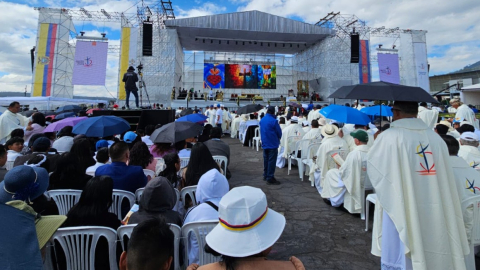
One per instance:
(130, 78)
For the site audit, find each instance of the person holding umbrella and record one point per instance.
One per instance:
(270, 134)
(420, 223)
(130, 78)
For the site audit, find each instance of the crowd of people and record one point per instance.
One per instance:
(415, 162)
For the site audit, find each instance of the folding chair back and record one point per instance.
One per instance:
(191, 190)
(200, 230)
(65, 199)
(222, 161)
(79, 245)
(150, 173)
(184, 162)
(160, 165)
(138, 194)
(118, 197)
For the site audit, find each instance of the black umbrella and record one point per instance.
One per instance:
(69, 108)
(383, 91)
(28, 113)
(186, 112)
(175, 132)
(250, 108)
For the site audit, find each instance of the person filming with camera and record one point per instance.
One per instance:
(130, 78)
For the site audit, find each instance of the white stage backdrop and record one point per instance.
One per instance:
(388, 68)
(420, 51)
(90, 66)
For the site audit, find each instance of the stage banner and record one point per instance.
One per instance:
(213, 76)
(364, 62)
(90, 66)
(388, 68)
(45, 61)
(128, 56)
(420, 51)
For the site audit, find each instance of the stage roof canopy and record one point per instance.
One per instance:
(249, 31)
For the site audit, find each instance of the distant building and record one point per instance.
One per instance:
(467, 76)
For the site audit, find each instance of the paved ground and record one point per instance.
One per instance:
(321, 236)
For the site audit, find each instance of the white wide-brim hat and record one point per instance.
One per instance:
(246, 225)
(329, 131)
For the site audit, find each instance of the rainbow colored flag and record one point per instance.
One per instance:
(46, 46)
(364, 73)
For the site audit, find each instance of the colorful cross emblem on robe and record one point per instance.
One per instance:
(426, 164)
(474, 165)
(471, 186)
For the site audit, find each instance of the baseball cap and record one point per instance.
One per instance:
(101, 144)
(271, 110)
(359, 134)
(211, 106)
(46, 226)
(129, 137)
(318, 106)
(218, 105)
(469, 136)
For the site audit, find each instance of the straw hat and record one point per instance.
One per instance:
(45, 226)
(322, 121)
(446, 123)
(329, 131)
(247, 226)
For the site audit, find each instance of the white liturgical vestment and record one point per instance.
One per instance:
(313, 115)
(10, 121)
(471, 155)
(349, 177)
(409, 169)
(235, 126)
(465, 113)
(351, 141)
(292, 130)
(429, 117)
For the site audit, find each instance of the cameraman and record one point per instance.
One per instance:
(130, 78)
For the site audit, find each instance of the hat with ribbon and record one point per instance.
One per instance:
(24, 183)
(329, 131)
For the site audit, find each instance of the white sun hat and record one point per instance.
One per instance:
(329, 131)
(246, 225)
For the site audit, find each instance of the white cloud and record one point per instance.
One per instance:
(207, 8)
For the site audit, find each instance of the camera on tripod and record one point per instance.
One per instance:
(140, 67)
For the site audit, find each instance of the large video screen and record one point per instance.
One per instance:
(239, 76)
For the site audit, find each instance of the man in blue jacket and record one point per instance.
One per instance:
(128, 178)
(270, 133)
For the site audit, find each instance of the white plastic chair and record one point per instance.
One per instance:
(222, 161)
(308, 160)
(200, 229)
(138, 194)
(160, 165)
(364, 188)
(294, 155)
(9, 165)
(126, 232)
(475, 234)
(148, 173)
(371, 198)
(331, 164)
(191, 190)
(79, 245)
(184, 162)
(257, 138)
(118, 196)
(65, 199)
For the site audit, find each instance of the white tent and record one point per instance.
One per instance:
(48, 103)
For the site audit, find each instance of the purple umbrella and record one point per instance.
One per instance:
(71, 121)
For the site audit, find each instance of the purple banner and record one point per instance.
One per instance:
(90, 66)
(388, 68)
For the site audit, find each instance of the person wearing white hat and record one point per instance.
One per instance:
(306, 126)
(469, 149)
(430, 117)
(246, 232)
(286, 146)
(331, 141)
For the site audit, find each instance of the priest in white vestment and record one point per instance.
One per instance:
(241, 126)
(281, 122)
(286, 146)
(430, 117)
(211, 116)
(315, 113)
(421, 221)
(331, 141)
(227, 119)
(351, 141)
(346, 184)
(464, 113)
(306, 126)
(11, 120)
(469, 149)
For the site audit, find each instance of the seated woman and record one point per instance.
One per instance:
(172, 162)
(158, 200)
(159, 150)
(201, 161)
(64, 141)
(36, 126)
(247, 231)
(205, 133)
(140, 156)
(92, 210)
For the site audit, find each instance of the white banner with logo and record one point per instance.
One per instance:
(420, 51)
(90, 65)
(388, 68)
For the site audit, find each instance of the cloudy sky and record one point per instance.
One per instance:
(453, 27)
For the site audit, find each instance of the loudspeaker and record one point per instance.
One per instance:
(147, 39)
(355, 46)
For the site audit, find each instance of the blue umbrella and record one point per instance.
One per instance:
(64, 115)
(101, 126)
(194, 118)
(378, 110)
(69, 108)
(345, 115)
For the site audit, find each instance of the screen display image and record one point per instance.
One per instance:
(213, 75)
(240, 76)
(267, 77)
(90, 66)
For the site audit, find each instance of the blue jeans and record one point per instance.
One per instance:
(269, 161)
(135, 94)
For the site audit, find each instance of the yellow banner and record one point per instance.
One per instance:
(124, 57)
